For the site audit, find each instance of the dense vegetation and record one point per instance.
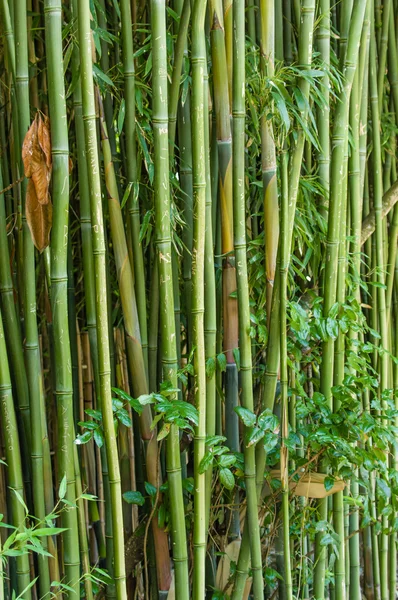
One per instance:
(198, 299)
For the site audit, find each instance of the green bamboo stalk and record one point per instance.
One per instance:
(8, 32)
(15, 352)
(239, 206)
(382, 52)
(12, 329)
(84, 552)
(13, 458)
(287, 32)
(251, 21)
(179, 51)
(345, 18)
(59, 281)
(229, 304)
(71, 292)
(89, 293)
(356, 202)
(105, 66)
(133, 205)
(29, 287)
(273, 346)
(364, 78)
(153, 329)
(284, 271)
(197, 307)
(323, 120)
(133, 342)
(268, 155)
(164, 257)
(339, 138)
(210, 323)
(185, 172)
(381, 299)
(101, 301)
(340, 571)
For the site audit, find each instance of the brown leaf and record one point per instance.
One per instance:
(36, 154)
(39, 217)
(45, 139)
(30, 148)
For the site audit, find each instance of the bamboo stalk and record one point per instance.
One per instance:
(198, 302)
(59, 281)
(245, 347)
(133, 206)
(340, 129)
(164, 258)
(13, 457)
(101, 301)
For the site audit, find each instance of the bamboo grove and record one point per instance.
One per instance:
(198, 299)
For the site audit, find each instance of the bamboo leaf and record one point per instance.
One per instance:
(134, 497)
(120, 119)
(62, 487)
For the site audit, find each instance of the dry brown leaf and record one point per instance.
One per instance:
(29, 148)
(36, 155)
(45, 139)
(39, 218)
(310, 485)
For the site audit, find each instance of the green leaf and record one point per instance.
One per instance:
(213, 440)
(44, 531)
(267, 421)
(227, 479)
(227, 460)
(206, 462)
(148, 65)
(20, 500)
(95, 414)
(280, 103)
(28, 587)
(89, 497)
(210, 367)
(134, 497)
(62, 487)
(254, 436)
(222, 361)
(270, 441)
(332, 328)
(328, 483)
(145, 399)
(236, 353)
(99, 437)
(126, 194)
(333, 312)
(150, 489)
(101, 75)
(121, 115)
(164, 432)
(246, 416)
(84, 437)
(145, 225)
(123, 416)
